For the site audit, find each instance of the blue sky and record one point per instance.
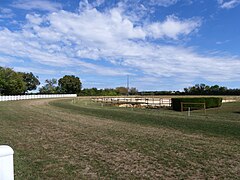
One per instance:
(160, 44)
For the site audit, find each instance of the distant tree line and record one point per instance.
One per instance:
(109, 92)
(202, 89)
(16, 83)
(197, 89)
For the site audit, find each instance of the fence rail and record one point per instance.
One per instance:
(155, 102)
(40, 96)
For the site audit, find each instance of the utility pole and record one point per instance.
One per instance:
(127, 84)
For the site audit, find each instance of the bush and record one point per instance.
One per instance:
(210, 102)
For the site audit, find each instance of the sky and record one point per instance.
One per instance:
(159, 44)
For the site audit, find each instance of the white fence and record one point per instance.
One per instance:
(6, 163)
(155, 102)
(40, 96)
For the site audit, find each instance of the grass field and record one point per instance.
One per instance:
(59, 139)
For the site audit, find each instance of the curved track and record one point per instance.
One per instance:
(53, 143)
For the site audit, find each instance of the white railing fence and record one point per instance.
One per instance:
(40, 96)
(6, 163)
(156, 102)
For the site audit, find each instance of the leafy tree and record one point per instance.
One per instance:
(11, 82)
(50, 87)
(203, 89)
(90, 92)
(31, 81)
(70, 84)
(109, 92)
(133, 91)
(122, 90)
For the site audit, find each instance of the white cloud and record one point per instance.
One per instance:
(7, 59)
(34, 19)
(92, 25)
(6, 13)
(164, 3)
(34, 70)
(84, 4)
(172, 27)
(44, 5)
(28, 45)
(228, 4)
(100, 70)
(70, 40)
(222, 42)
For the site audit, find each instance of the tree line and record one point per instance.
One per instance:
(17, 83)
(197, 89)
(118, 91)
(202, 89)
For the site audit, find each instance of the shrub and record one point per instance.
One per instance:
(210, 102)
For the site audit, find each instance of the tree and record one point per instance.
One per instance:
(31, 81)
(203, 89)
(70, 84)
(50, 87)
(109, 92)
(122, 90)
(11, 82)
(133, 91)
(214, 89)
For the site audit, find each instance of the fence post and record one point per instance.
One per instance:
(189, 111)
(6, 163)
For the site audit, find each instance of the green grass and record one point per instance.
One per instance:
(59, 139)
(222, 122)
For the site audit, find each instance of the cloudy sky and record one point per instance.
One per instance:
(160, 44)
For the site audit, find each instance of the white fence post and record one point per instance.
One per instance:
(6, 163)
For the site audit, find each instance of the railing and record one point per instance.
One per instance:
(40, 96)
(6, 163)
(155, 102)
